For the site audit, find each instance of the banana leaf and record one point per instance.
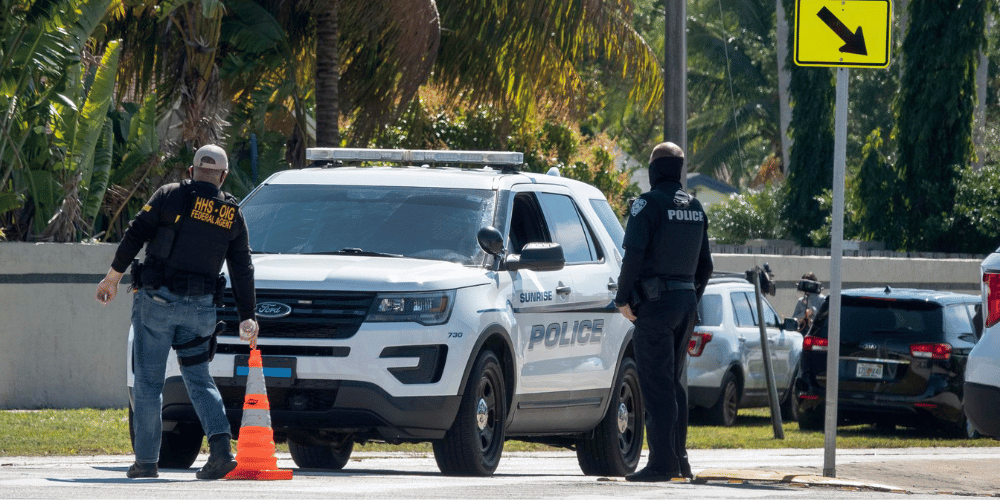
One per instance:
(101, 170)
(92, 122)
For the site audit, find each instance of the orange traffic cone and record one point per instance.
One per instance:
(255, 447)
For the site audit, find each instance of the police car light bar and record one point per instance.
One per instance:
(415, 156)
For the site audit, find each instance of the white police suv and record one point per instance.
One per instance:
(981, 401)
(460, 306)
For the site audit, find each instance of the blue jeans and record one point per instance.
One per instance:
(160, 319)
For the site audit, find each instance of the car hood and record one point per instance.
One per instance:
(360, 273)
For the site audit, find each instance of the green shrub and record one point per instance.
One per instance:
(748, 215)
(976, 224)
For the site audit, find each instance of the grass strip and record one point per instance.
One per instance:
(105, 432)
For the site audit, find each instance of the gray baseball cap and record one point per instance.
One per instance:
(212, 157)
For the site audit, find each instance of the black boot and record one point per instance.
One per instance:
(142, 470)
(220, 458)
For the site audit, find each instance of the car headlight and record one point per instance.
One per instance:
(426, 308)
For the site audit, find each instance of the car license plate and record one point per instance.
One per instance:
(279, 371)
(869, 370)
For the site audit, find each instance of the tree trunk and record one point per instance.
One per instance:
(784, 78)
(979, 127)
(327, 75)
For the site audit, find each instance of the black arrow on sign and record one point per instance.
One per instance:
(854, 43)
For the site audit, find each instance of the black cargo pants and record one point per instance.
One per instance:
(662, 331)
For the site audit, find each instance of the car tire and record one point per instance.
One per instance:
(811, 420)
(965, 430)
(320, 456)
(884, 426)
(474, 443)
(178, 448)
(614, 446)
(725, 410)
(790, 406)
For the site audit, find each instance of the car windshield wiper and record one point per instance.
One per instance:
(356, 251)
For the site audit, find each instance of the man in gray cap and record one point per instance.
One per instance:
(189, 229)
(665, 269)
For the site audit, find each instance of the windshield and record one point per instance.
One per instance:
(423, 223)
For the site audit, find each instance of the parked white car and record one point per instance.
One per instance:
(981, 399)
(726, 360)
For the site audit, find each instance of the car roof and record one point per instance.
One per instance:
(425, 176)
(887, 292)
(728, 280)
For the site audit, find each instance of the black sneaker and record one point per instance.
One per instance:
(142, 470)
(216, 469)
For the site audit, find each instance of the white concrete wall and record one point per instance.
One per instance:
(59, 348)
(958, 275)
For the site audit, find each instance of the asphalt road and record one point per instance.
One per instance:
(729, 474)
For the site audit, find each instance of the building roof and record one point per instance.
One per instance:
(696, 180)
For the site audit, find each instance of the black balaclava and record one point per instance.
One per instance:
(665, 168)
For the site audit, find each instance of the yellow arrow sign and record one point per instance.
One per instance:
(843, 33)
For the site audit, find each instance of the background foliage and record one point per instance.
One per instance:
(748, 215)
(574, 85)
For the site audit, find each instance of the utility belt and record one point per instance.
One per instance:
(154, 276)
(649, 289)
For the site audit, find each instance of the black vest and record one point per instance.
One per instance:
(676, 241)
(195, 241)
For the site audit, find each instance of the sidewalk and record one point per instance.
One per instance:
(963, 471)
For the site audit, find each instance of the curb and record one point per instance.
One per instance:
(789, 478)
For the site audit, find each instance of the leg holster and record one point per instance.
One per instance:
(208, 355)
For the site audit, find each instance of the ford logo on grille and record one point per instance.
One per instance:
(273, 310)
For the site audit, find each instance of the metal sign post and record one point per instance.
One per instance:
(840, 34)
(836, 256)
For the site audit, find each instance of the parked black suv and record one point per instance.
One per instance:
(902, 359)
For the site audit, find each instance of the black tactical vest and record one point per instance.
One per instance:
(195, 241)
(676, 241)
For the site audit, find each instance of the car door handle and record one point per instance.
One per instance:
(563, 290)
(612, 285)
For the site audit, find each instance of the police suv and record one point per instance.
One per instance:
(460, 306)
(982, 373)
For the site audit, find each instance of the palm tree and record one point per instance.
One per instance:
(42, 95)
(735, 123)
(508, 53)
(174, 48)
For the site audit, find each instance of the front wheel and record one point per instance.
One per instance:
(614, 447)
(320, 456)
(178, 448)
(473, 444)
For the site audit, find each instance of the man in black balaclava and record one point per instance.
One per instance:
(666, 267)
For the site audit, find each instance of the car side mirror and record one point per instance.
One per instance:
(537, 257)
(490, 239)
(790, 324)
